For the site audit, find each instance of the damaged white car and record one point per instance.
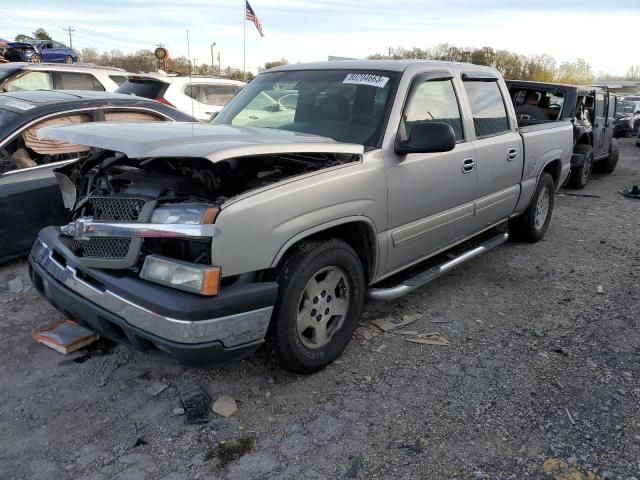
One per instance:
(317, 186)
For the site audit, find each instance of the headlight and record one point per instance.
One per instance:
(190, 277)
(185, 214)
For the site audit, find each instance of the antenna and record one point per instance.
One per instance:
(190, 72)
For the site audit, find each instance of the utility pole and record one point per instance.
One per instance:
(219, 67)
(70, 30)
(213, 67)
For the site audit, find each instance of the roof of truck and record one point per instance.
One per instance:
(390, 65)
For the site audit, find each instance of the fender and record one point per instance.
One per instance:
(328, 225)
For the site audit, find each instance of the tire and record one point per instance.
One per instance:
(579, 178)
(608, 165)
(532, 224)
(35, 58)
(68, 59)
(306, 343)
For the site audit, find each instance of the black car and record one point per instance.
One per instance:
(29, 194)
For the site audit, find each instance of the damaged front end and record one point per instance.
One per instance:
(156, 216)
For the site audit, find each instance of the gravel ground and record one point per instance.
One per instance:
(541, 378)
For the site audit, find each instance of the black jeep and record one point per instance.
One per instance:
(590, 109)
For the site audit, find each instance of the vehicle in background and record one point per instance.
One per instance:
(29, 195)
(202, 240)
(15, 77)
(627, 118)
(3, 48)
(203, 96)
(36, 51)
(590, 110)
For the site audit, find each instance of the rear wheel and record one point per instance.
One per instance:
(68, 59)
(608, 165)
(532, 224)
(320, 300)
(35, 58)
(580, 176)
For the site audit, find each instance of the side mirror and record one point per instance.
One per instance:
(428, 137)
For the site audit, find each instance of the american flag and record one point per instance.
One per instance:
(251, 15)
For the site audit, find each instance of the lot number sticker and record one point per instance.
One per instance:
(370, 79)
(20, 105)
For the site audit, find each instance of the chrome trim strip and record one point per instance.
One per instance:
(431, 274)
(231, 330)
(87, 228)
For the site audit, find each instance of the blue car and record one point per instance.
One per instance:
(37, 51)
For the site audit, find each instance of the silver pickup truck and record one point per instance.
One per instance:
(317, 186)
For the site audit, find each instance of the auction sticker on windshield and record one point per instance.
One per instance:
(370, 79)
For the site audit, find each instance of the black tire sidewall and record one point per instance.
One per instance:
(575, 178)
(546, 182)
(292, 353)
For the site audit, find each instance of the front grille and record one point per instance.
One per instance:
(116, 209)
(100, 247)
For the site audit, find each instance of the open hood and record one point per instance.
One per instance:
(198, 140)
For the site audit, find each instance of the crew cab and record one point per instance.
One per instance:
(276, 222)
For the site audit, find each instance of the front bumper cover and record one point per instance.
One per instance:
(169, 320)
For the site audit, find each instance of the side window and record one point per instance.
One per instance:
(217, 94)
(487, 107)
(599, 105)
(31, 81)
(434, 101)
(78, 81)
(28, 150)
(130, 116)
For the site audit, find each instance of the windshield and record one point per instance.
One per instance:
(347, 106)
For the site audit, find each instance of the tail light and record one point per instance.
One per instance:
(165, 101)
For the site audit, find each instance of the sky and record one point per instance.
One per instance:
(603, 33)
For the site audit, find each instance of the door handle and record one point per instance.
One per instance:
(512, 154)
(468, 165)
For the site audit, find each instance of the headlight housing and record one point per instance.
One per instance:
(190, 277)
(185, 213)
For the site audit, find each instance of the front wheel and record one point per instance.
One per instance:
(320, 300)
(35, 58)
(532, 224)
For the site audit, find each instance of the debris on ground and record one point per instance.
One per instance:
(178, 411)
(140, 441)
(429, 339)
(416, 447)
(354, 469)
(631, 192)
(224, 406)
(585, 195)
(600, 290)
(391, 324)
(16, 285)
(227, 452)
(65, 336)
(195, 402)
(156, 388)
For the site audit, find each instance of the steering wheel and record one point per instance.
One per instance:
(362, 120)
(283, 105)
(555, 106)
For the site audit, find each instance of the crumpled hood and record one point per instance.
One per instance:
(198, 140)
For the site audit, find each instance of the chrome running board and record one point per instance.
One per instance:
(432, 273)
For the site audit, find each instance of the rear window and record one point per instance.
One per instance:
(147, 88)
(118, 79)
(211, 94)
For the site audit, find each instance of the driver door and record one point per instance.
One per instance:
(431, 195)
(600, 140)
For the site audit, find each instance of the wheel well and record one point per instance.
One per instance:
(359, 235)
(554, 168)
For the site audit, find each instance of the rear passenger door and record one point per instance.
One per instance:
(499, 154)
(430, 194)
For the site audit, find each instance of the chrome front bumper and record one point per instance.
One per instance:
(231, 331)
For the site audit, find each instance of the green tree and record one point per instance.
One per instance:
(276, 63)
(41, 34)
(22, 37)
(577, 73)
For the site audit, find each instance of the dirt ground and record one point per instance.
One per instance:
(541, 378)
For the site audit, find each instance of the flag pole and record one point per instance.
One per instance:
(244, 43)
